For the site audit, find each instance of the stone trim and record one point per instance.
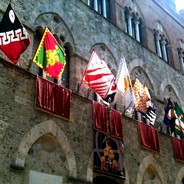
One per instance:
(147, 161)
(34, 134)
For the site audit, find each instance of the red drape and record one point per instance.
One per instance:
(116, 126)
(53, 98)
(149, 137)
(178, 148)
(100, 117)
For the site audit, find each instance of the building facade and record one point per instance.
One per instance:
(39, 147)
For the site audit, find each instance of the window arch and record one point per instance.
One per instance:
(181, 55)
(38, 70)
(170, 93)
(133, 24)
(151, 175)
(105, 54)
(150, 172)
(162, 45)
(101, 6)
(64, 39)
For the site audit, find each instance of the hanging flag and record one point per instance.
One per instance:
(179, 121)
(178, 148)
(49, 55)
(169, 117)
(124, 85)
(111, 95)
(141, 97)
(150, 115)
(149, 137)
(13, 36)
(98, 76)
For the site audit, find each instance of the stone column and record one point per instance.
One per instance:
(104, 7)
(158, 46)
(96, 5)
(129, 25)
(137, 32)
(163, 45)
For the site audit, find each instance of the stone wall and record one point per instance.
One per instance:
(32, 140)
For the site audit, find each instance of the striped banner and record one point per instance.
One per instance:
(98, 76)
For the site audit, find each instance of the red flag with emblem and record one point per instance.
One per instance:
(13, 36)
(50, 56)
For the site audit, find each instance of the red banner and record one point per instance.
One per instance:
(149, 137)
(178, 148)
(100, 117)
(53, 98)
(116, 127)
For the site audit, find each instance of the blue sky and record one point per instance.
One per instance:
(179, 4)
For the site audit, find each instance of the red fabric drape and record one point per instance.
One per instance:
(53, 98)
(100, 117)
(149, 137)
(116, 126)
(178, 148)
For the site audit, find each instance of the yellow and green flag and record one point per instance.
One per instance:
(50, 56)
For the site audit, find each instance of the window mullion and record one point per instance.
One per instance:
(96, 5)
(163, 43)
(137, 33)
(104, 7)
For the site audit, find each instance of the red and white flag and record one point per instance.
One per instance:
(98, 76)
(13, 36)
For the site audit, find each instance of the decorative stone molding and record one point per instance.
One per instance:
(147, 162)
(34, 134)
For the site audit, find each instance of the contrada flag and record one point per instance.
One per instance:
(169, 117)
(124, 85)
(179, 121)
(13, 36)
(49, 55)
(98, 76)
(141, 96)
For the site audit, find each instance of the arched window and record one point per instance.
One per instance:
(101, 6)
(64, 79)
(161, 42)
(106, 55)
(133, 24)
(161, 45)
